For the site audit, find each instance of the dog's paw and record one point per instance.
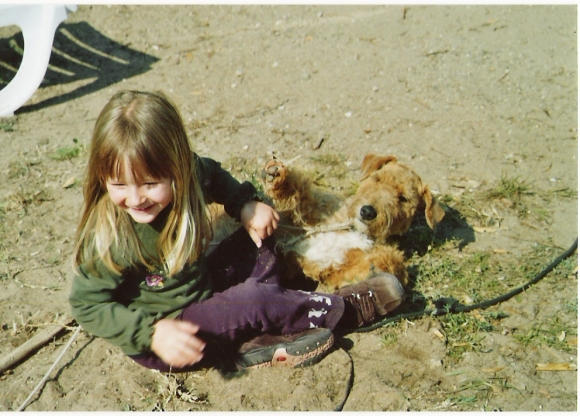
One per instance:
(274, 174)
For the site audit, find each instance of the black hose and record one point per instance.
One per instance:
(453, 305)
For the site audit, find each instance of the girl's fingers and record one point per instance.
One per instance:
(189, 352)
(187, 326)
(191, 340)
(255, 237)
(176, 343)
(196, 344)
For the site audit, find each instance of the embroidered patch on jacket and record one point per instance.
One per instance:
(154, 281)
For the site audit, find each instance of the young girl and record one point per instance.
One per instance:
(143, 281)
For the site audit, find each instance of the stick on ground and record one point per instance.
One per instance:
(32, 344)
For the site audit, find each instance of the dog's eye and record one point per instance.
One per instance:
(402, 198)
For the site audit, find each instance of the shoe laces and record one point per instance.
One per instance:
(359, 295)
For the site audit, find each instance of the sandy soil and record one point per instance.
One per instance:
(463, 94)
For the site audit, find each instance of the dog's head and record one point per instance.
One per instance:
(388, 197)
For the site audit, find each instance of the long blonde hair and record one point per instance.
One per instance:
(145, 131)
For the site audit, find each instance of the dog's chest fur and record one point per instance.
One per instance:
(328, 249)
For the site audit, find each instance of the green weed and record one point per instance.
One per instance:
(330, 170)
(20, 201)
(552, 333)
(17, 169)
(66, 153)
(6, 126)
(510, 188)
(478, 390)
(487, 208)
(389, 339)
(572, 306)
(174, 391)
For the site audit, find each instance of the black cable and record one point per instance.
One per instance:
(453, 305)
(350, 381)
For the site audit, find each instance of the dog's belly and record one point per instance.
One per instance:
(328, 249)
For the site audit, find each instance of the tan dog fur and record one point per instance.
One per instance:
(344, 247)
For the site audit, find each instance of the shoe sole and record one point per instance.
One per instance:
(295, 354)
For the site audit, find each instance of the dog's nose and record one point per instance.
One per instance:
(367, 213)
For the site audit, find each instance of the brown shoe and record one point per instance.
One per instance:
(367, 301)
(293, 350)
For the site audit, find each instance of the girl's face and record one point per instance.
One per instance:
(142, 199)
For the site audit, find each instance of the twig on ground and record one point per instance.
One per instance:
(41, 383)
(32, 344)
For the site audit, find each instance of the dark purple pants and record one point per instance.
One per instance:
(249, 300)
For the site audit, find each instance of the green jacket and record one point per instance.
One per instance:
(122, 309)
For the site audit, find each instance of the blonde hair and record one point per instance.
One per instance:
(145, 131)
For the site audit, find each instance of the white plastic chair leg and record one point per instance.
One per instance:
(38, 24)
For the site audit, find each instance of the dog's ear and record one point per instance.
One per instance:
(372, 163)
(434, 213)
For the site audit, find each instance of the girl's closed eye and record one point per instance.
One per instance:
(142, 197)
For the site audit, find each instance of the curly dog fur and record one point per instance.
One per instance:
(346, 240)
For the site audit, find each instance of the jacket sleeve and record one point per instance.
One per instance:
(95, 308)
(219, 186)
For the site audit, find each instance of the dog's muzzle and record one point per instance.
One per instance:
(367, 213)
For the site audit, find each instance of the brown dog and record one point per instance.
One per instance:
(344, 241)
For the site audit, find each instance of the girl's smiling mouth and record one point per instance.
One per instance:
(142, 209)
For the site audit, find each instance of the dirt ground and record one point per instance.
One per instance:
(465, 95)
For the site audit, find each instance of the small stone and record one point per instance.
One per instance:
(69, 182)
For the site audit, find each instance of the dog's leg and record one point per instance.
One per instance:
(274, 176)
(389, 259)
(291, 191)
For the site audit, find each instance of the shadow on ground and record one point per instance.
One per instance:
(79, 53)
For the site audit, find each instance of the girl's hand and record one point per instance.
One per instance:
(175, 342)
(260, 220)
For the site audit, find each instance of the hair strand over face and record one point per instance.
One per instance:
(144, 133)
